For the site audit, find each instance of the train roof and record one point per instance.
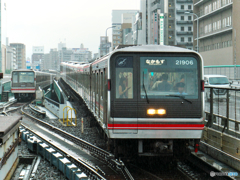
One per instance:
(23, 70)
(153, 48)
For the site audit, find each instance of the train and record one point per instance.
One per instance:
(148, 100)
(25, 82)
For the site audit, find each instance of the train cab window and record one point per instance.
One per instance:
(15, 77)
(124, 77)
(169, 77)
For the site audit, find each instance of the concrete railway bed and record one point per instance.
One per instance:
(135, 170)
(182, 171)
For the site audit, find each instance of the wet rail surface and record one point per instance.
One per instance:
(150, 170)
(96, 157)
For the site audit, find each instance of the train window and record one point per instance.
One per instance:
(15, 77)
(124, 77)
(169, 77)
(27, 77)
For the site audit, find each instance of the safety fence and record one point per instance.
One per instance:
(222, 109)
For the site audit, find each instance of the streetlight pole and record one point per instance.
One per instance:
(106, 37)
(197, 26)
(235, 56)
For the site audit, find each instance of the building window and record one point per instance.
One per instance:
(189, 7)
(210, 27)
(189, 18)
(182, 18)
(182, 6)
(189, 39)
(206, 29)
(189, 28)
(182, 39)
(210, 7)
(182, 28)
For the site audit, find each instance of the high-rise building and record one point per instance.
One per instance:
(20, 55)
(165, 22)
(11, 59)
(53, 63)
(118, 18)
(219, 28)
(104, 46)
(3, 35)
(37, 57)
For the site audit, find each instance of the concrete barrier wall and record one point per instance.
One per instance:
(224, 144)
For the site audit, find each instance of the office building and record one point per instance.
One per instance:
(165, 22)
(118, 18)
(218, 38)
(11, 62)
(105, 46)
(20, 54)
(37, 57)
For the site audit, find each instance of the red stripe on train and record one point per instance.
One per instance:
(156, 126)
(22, 89)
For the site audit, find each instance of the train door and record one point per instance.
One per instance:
(123, 95)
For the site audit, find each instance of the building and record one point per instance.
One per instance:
(9, 140)
(118, 18)
(81, 54)
(20, 55)
(37, 57)
(11, 62)
(65, 54)
(53, 60)
(105, 46)
(45, 64)
(3, 35)
(164, 22)
(218, 27)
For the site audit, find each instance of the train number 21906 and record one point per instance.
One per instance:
(184, 62)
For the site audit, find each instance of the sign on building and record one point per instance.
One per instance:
(161, 32)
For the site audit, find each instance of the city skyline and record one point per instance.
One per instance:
(72, 22)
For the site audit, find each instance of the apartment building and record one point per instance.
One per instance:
(218, 25)
(167, 22)
(20, 54)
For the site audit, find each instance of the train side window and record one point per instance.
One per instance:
(124, 77)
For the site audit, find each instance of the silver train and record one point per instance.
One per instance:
(147, 99)
(25, 82)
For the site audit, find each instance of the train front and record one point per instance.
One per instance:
(156, 100)
(23, 84)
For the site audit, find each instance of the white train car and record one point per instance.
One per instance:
(149, 99)
(25, 82)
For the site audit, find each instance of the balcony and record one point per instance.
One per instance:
(184, 33)
(214, 33)
(203, 15)
(156, 6)
(182, 11)
(185, 43)
(199, 2)
(184, 1)
(184, 22)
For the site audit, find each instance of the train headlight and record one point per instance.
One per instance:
(151, 111)
(161, 111)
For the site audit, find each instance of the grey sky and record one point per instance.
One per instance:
(47, 22)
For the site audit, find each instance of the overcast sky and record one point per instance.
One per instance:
(47, 22)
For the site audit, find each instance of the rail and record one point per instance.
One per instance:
(94, 150)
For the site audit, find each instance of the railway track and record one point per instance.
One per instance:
(183, 171)
(95, 151)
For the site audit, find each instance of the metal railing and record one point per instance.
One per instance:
(222, 109)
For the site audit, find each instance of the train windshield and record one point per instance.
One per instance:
(22, 77)
(169, 77)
